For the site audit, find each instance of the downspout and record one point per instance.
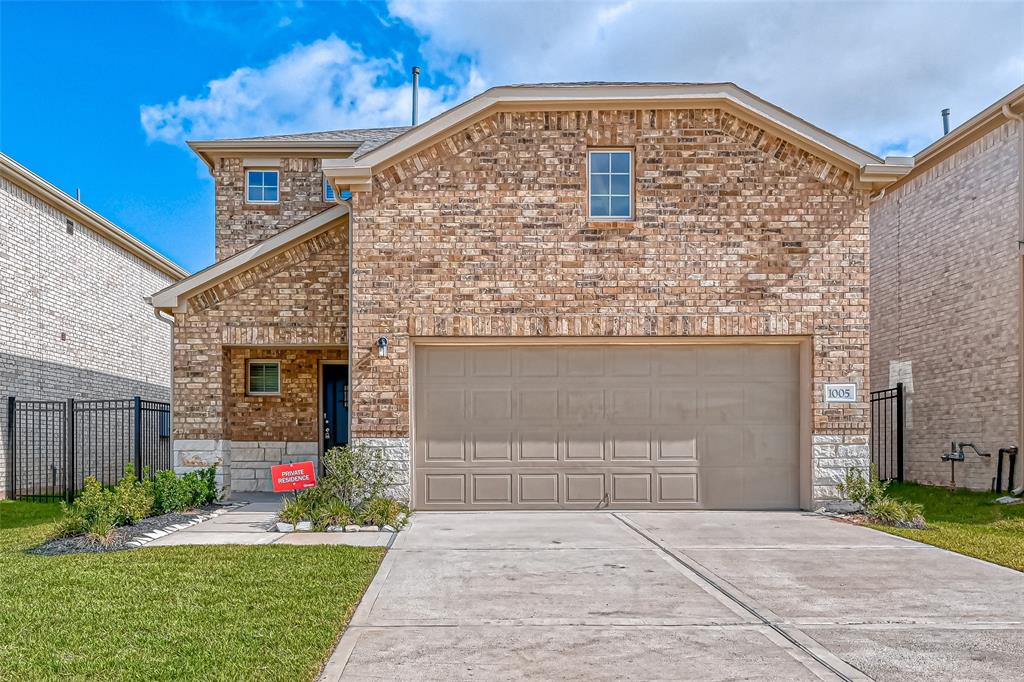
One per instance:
(351, 289)
(1020, 277)
(169, 321)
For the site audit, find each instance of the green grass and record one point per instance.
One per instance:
(171, 613)
(967, 522)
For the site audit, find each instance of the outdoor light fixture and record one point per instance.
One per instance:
(382, 346)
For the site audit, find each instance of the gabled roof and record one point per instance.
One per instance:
(356, 170)
(172, 299)
(343, 142)
(84, 215)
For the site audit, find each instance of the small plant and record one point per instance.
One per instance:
(133, 499)
(169, 494)
(356, 474)
(863, 489)
(200, 487)
(893, 512)
(294, 509)
(332, 512)
(92, 513)
(383, 511)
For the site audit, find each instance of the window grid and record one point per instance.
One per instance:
(264, 378)
(611, 183)
(261, 186)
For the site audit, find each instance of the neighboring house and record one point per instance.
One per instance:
(946, 292)
(74, 319)
(557, 296)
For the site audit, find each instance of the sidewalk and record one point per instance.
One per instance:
(249, 524)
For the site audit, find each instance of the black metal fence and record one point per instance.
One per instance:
(887, 432)
(53, 446)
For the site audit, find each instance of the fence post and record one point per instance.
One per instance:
(899, 431)
(11, 459)
(137, 445)
(69, 450)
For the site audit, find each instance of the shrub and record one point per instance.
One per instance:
(92, 513)
(169, 494)
(332, 512)
(356, 474)
(200, 487)
(383, 511)
(892, 512)
(294, 509)
(863, 489)
(132, 500)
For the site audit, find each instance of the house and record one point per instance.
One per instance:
(567, 296)
(946, 245)
(74, 319)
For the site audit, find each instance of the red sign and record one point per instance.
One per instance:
(293, 476)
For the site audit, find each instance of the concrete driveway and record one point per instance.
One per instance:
(677, 595)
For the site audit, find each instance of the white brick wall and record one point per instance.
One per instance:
(73, 319)
(945, 298)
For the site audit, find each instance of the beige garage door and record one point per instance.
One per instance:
(587, 427)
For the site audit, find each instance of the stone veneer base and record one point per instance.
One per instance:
(832, 456)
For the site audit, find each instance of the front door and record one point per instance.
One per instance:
(335, 406)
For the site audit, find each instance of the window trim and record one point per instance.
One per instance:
(632, 186)
(327, 186)
(248, 376)
(276, 172)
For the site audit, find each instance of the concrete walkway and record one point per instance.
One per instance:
(249, 524)
(677, 595)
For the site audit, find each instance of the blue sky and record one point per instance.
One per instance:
(102, 96)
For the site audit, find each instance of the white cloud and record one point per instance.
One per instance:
(324, 85)
(876, 74)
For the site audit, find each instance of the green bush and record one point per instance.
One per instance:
(356, 474)
(332, 512)
(893, 512)
(200, 487)
(294, 509)
(863, 489)
(133, 499)
(92, 513)
(169, 494)
(383, 511)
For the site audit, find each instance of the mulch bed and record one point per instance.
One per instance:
(121, 535)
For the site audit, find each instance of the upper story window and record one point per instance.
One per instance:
(611, 184)
(264, 377)
(328, 190)
(261, 186)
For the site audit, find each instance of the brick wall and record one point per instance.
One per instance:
(737, 232)
(945, 280)
(73, 319)
(295, 299)
(240, 225)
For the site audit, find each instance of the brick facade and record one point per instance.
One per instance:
(737, 233)
(946, 289)
(74, 322)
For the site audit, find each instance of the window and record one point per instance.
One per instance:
(261, 186)
(264, 377)
(611, 183)
(328, 190)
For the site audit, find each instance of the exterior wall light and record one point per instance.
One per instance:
(382, 347)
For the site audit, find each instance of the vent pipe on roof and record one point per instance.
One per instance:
(415, 94)
(78, 194)
(945, 121)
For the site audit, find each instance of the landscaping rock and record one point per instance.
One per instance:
(352, 528)
(369, 529)
(335, 529)
(1008, 499)
(843, 507)
(282, 527)
(389, 529)
(304, 525)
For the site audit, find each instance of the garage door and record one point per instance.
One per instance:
(588, 427)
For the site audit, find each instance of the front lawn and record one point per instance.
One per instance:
(171, 613)
(966, 522)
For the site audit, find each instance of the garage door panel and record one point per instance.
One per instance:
(583, 446)
(630, 488)
(539, 406)
(489, 406)
(643, 427)
(493, 446)
(538, 446)
(490, 489)
(630, 446)
(584, 488)
(538, 488)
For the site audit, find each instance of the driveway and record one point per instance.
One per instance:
(677, 595)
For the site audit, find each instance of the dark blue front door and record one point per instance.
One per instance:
(335, 406)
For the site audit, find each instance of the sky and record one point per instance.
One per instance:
(101, 97)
